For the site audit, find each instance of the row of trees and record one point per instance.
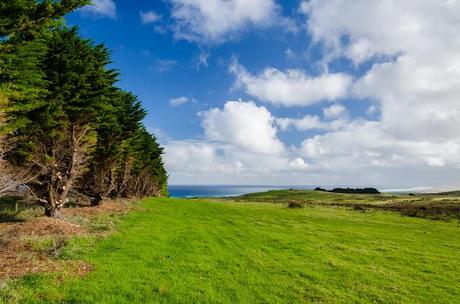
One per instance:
(66, 130)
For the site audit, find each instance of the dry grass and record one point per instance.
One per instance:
(33, 244)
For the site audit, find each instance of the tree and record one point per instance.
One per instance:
(63, 123)
(27, 18)
(60, 135)
(23, 26)
(127, 160)
(142, 171)
(23, 23)
(117, 122)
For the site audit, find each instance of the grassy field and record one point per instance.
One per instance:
(197, 251)
(437, 206)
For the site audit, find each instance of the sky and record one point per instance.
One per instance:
(292, 92)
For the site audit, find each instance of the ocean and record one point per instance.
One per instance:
(223, 190)
(185, 191)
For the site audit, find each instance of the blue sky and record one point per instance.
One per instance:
(290, 92)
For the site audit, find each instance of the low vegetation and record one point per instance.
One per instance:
(31, 243)
(442, 206)
(198, 251)
(351, 190)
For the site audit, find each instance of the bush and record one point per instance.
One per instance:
(356, 190)
(295, 204)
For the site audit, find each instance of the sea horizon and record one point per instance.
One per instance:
(223, 190)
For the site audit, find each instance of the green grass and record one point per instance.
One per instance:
(193, 251)
(277, 196)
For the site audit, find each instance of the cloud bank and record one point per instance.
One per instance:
(292, 87)
(413, 78)
(214, 21)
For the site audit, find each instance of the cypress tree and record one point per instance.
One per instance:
(61, 131)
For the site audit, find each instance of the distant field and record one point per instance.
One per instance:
(438, 206)
(197, 251)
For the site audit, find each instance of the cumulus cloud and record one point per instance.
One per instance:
(335, 111)
(410, 73)
(149, 17)
(365, 144)
(298, 163)
(311, 122)
(101, 8)
(192, 157)
(239, 145)
(208, 162)
(175, 102)
(292, 87)
(243, 124)
(217, 20)
(308, 122)
(414, 79)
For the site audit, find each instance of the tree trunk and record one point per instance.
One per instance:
(50, 212)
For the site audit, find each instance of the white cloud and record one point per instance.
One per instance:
(298, 164)
(218, 20)
(308, 122)
(311, 122)
(243, 124)
(366, 145)
(413, 84)
(208, 162)
(335, 111)
(292, 87)
(198, 157)
(371, 110)
(149, 17)
(101, 8)
(175, 102)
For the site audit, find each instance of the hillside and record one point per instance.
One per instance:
(199, 251)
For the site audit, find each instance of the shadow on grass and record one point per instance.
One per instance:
(10, 217)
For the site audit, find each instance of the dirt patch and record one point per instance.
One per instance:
(5, 226)
(45, 226)
(18, 259)
(32, 246)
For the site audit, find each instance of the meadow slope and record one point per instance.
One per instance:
(198, 251)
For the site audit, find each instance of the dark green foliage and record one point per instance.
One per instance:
(350, 190)
(23, 28)
(22, 84)
(72, 128)
(149, 175)
(320, 189)
(356, 190)
(127, 160)
(30, 17)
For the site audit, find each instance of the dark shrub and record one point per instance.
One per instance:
(356, 190)
(295, 204)
(320, 189)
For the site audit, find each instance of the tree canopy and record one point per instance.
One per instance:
(73, 130)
